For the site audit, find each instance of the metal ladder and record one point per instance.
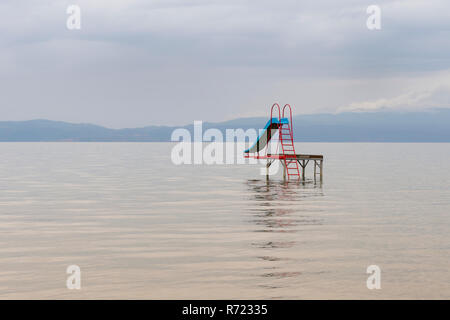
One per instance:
(287, 146)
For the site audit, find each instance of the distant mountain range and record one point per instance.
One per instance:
(428, 126)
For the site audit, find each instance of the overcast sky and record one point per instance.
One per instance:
(143, 62)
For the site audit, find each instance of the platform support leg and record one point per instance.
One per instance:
(303, 170)
(315, 169)
(321, 170)
(284, 169)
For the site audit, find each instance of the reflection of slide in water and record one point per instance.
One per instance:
(277, 212)
(268, 132)
(277, 207)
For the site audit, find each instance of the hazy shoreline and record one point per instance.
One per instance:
(416, 127)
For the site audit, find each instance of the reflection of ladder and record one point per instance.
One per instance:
(287, 146)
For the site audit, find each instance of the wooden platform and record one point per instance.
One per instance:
(302, 159)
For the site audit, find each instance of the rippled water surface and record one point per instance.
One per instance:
(140, 227)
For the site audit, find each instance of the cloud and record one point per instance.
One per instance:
(132, 61)
(408, 101)
(425, 92)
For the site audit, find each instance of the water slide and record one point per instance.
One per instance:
(268, 132)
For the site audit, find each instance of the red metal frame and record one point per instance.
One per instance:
(271, 111)
(271, 117)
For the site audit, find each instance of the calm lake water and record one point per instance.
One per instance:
(140, 227)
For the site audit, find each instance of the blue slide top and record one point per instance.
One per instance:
(265, 136)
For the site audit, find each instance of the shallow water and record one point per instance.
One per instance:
(140, 227)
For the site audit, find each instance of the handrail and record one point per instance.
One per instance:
(290, 118)
(290, 112)
(271, 112)
(271, 117)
